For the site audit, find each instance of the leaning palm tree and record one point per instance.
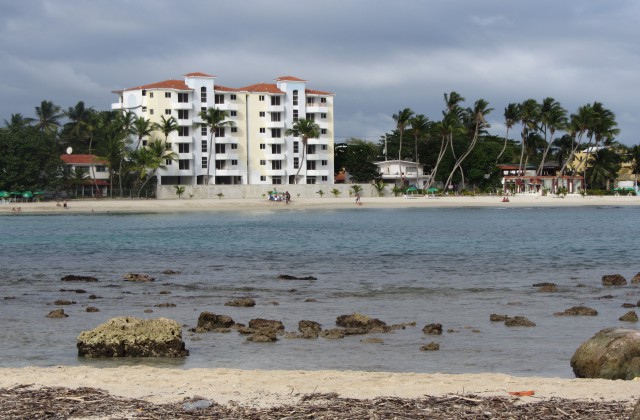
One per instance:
(579, 125)
(47, 116)
(402, 119)
(142, 128)
(305, 130)
(419, 126)
(214, 119)
(511, 117)
(552, 117)
(153, 157)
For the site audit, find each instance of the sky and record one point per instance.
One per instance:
(377, 57)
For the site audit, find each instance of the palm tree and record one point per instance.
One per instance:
(142, 128)
(477, 116)
(578, 126)
(151, 158)
(47, 116)
(17, 121)
(126, 121)
(511, 117)
(214, 119)
(552, 117)
(419, 125)
(167, 126)
(529, 116)
(402, 119)
(305, 130)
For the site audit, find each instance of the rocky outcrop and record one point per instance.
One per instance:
(578, 311)
(72, 277)
(263, 336)
(133, 337)
(170, 272)
(266, 324)
(635, 279)
(138, 278)
(498, 318)
(333, 333)
(430, 347)
(630, 316)
(92, 309)
(289, 277)
(242, 303)
(613, 280)
(357, 320)
(519, 321)
(613, 353)
(546, 287)
(64, 302)
(433, 329)
(57, 313)
(208, 321)
(309, 329)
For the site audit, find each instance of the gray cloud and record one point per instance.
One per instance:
(377, 57)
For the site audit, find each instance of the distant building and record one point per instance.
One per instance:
(403, 173)
(518, 179)
(95, 181)
(255, 150)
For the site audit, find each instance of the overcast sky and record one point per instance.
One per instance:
(376, 56)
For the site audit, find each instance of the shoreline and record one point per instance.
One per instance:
(261, 388)
(315, 203)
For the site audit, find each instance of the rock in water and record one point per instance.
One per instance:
(613, 280)
(613, 353)
(133, 337)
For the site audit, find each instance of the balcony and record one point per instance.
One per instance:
(274, 124)
(226, 106)
(317, 172)
(275, 108)
(117, 106)
(185, 122)
(313, 156)
(274, 140)
(181, 105)
(318, 141)
(316, 108)
(227, 156)
(226, 140)
(227, 172)
(274, 156)
(276, 172)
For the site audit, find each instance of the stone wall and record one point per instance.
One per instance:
(262, 191)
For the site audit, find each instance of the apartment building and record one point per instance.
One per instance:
(254, 149)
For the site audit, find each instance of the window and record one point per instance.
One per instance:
(276, 133)
(234, 146)
(203, 95)
(295, 115)
(296, 162)
(263, 162)
(310, 117)
(183, 97)
(323, 116)
(234, 162)
(233, 113)
(275, 116)
(296, 147)
(261, 98)
(323, 147)
(204, 161)
(204, 145)
(203, 109)
(150, 94)
(276, 149)
(310, 101)
(220, 164)
(311, 180)
(311, 149)
(183, 131)
(144, 142)
(168, 162)
(234, 129)
(220, 132)
(323, 162)
(275, 100)
(323, 131)
(276, 180)
(263, 146)
(263, 130)
(167, 112)
(183, 147)
(183, 164)
(295, 98)
(144, 92)
(220, 148)
(325, 178)
(183, 114)
(262, 114)
(263, 178)
(276, 165)
(167, 146)
(203, 130)
(167, 94)
(219, 98)
(144, 109)
(323, 100)
(311, 165)
(101, 168)
(151, 112)
(233, 97)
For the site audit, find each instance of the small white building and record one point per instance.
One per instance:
(96, 182)
(403, 173)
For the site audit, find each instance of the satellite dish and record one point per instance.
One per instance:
(69, 150)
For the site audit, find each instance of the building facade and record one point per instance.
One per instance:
(254, 149)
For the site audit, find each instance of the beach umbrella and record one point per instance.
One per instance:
(27, 194)
(4, 194)
(432, 190)
(412, 189)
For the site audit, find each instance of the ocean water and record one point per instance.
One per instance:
(451, 266)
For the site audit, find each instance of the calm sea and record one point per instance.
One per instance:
(451, 266)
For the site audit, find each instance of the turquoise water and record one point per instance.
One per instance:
(452, 266)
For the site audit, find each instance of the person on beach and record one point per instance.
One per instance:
(358, 199)
(287, 197)
(64, 204)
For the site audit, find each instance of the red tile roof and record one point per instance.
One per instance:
(225, 89)
(198, 74)
(263, 87)
(289, 79)
(317, 92)
(82, 159)
(167, 84)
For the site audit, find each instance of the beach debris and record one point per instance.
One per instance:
(92, 309)
(57, 313)
(64, 302)
(612, 353)
(290, 277)
(577, 311)
(196, 403)
(309, 329)
(522, 393)
(433, 346)
(208, 321)
(133, 337)
(519, 321)
(613, 280)
(138, 278)
(433, 329)
(72, 277)
(242, 303)
(498, 318)
(630, 316)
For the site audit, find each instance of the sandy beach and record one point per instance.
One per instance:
(229, 204)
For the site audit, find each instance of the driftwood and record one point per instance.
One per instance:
(26, 401)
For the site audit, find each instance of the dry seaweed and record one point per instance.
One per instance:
(26, 401)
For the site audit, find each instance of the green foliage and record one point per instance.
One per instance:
(379, 186)
(180, 189)
(220, 195)
(356, 188)
(320, 193)
(396, 190)
(336, 192)
(562, 192)
(357, 157)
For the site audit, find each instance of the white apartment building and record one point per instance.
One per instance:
(255, 149)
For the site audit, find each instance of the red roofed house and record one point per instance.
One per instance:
(96, 174)
(255, 150)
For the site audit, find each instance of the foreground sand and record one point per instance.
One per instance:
(226, 204)
(270, 388)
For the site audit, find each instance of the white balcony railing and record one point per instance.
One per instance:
(274, 140)
(274, 156)
(181, 105)
(276, 172)
(274, 124)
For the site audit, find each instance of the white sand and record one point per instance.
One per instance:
(269, 388)
(183, 205)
